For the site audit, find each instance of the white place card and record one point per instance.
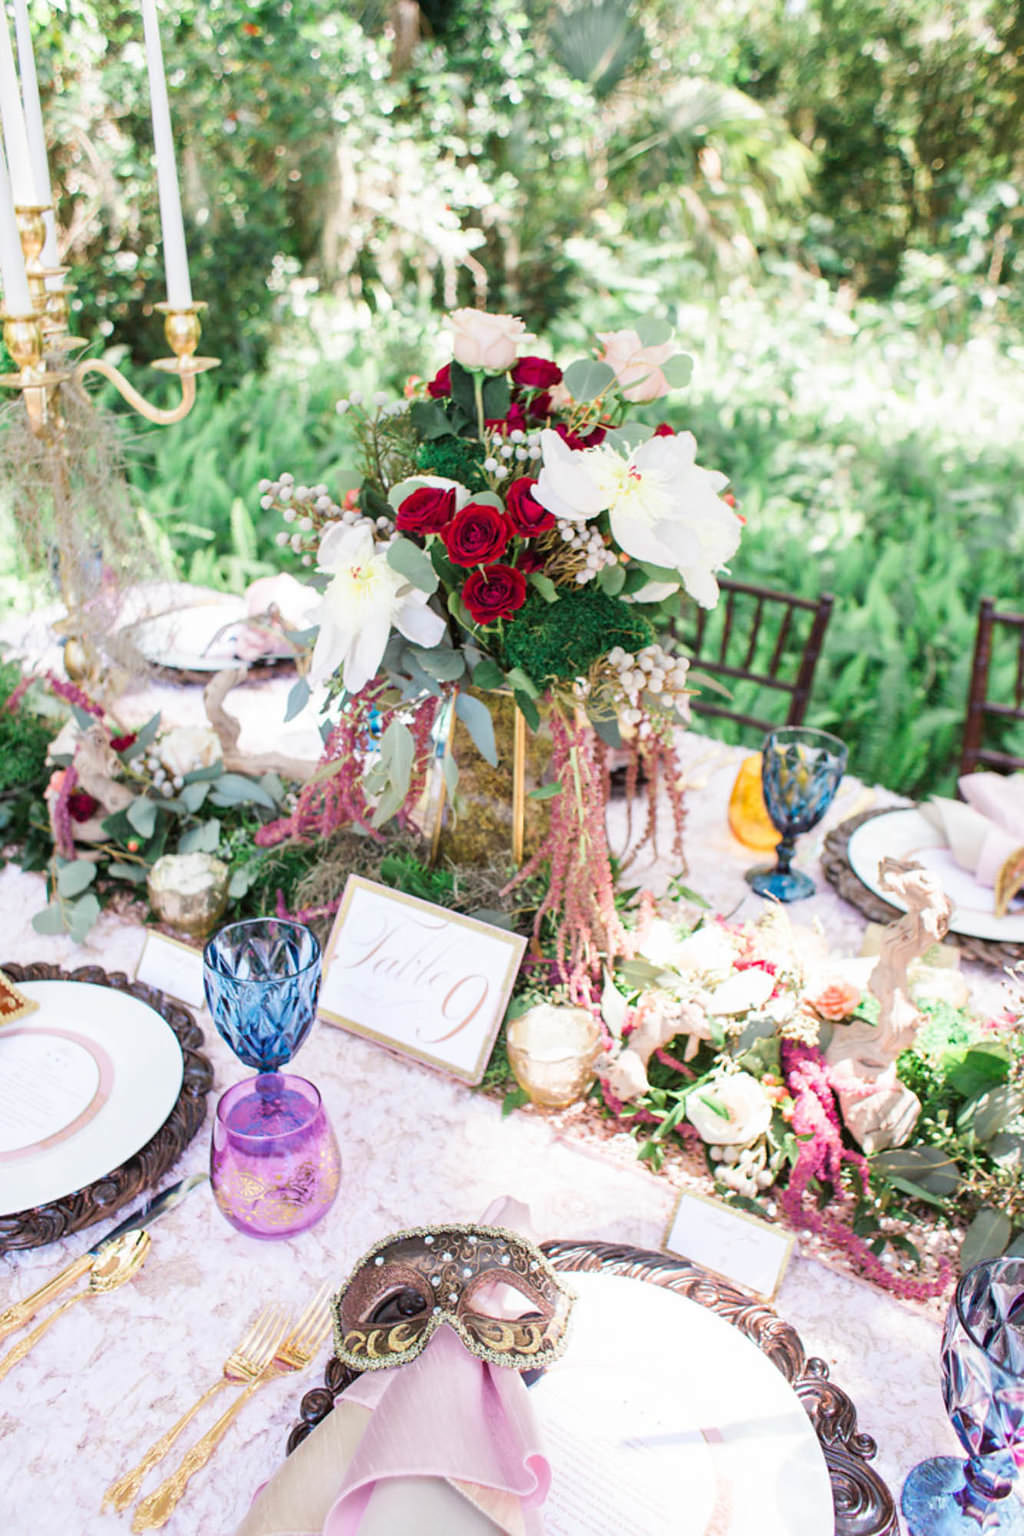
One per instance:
(172, 967)
(417, 978)
(736, 1245)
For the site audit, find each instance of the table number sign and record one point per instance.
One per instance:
(172, 967)
(739, 1247)
(13, 1004)
(426, 982)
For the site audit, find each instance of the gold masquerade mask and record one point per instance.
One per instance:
(401, 1292)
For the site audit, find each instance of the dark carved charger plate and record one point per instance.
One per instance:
(835, 861)
(863, 1504)
(46, 1223)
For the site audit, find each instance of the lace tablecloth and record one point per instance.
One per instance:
(417, 1148)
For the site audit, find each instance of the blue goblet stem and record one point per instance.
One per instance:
(987, 1481)
(784, 852)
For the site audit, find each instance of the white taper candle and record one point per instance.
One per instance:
(12, 262)
(13, 119)
(179, 290)
(34, 128)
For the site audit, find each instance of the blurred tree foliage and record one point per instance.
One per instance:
(456, 151)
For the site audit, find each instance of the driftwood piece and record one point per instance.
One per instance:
(228, 731)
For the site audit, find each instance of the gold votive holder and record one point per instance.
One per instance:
(552, 1051)
(189, 891)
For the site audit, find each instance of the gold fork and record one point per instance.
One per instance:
(250, 1356)
(294, 1354)
(118, 1264)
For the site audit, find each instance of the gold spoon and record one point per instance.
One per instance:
(117, 1264)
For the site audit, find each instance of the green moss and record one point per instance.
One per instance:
(562, 640)
(24, 738)
(457, 458)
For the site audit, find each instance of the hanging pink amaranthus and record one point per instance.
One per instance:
(580, 897)
(822, 1156)
(656, 755)
(335, 797)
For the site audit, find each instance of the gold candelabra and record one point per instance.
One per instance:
(42, 348)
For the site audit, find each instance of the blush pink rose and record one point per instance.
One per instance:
(637, 368)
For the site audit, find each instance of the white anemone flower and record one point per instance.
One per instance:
(663, 508)
(364, 599)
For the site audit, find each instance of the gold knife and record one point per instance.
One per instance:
(23, 1312)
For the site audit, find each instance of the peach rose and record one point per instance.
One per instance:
(836, 1001)
(486, 341)
(637, 368)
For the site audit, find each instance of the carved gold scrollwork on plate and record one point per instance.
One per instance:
(863, 1504)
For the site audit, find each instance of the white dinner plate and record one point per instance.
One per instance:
(200, 638)
(85, 1081)
(908, 834)
(662, 1416)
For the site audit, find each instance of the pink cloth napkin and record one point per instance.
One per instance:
(449, 1415)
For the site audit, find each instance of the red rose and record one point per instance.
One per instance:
(426, 510)
(530, 559)
(575, 440)
(524, 512)
(664, 430)
(477, 535)
(536, 373)
(516, 418)
(81, 805)
(122, 743)
(491, 594)
(441, 384)
(540, 406)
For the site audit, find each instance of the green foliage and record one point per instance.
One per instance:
(562, 640)
(455, 458)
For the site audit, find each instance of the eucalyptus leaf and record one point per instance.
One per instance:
(989, 1113)
(82, 916)
(629, 436)
(203, 775)
(240, 882)
(84, 719)
(298, 698)
(652, 330)
(144, 737)
(517, 678)
(476, 717)
(544, 585)
(443, 662)
(527, 708)
(49, 920)
(202, 839)
(612, 578)
(488, 499)
(678, 370)
(142, 815)
(985, 1238)
(413, 563)
(1016, 1248)
(73, 878)
(135, 874)
(450, 773)
(235, 789)
(193, 795)
(586, 379)
(607, 728)
(928, 1167)
(487, 675)
(1006, 1149)
(493, 917)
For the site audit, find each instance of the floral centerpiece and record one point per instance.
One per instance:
(515, 530)
(720, 1046)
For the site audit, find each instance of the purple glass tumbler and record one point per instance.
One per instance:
(274, 1160)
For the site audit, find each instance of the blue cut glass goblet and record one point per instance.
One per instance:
(274, 1163)
(983, 1390)
(800, 772)
(262, 983)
